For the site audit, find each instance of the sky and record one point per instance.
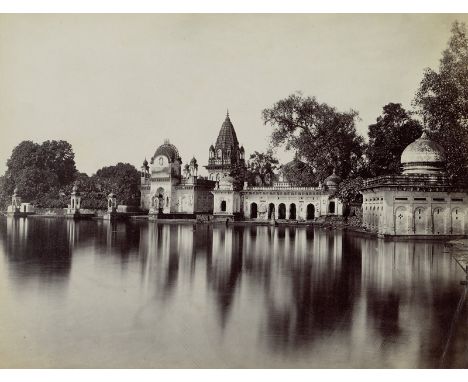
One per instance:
(116, 86)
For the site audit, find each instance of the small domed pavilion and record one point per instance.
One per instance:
(419, 202)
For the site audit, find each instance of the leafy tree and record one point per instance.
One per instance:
(442, 99)
(39, 171)
(239, 175)
(349, 190)
(388, 137)
(320, 136)
(58, 157)
(261, 166)
(122, 179)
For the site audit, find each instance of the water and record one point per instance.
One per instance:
(139, 294)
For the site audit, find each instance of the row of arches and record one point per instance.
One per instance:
(283, 212)
(219, 154)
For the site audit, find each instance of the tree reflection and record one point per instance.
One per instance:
(37, 249)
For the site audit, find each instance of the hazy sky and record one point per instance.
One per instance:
(115, 86)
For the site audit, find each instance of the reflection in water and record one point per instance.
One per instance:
(236, 296)
(37, 250)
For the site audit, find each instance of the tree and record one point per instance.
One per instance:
(122, 179)
(58, 157)
(442, 100)
(322, 137)
(39, 171)
(349, 191)
(261, 167)
(388, 137)
(238, 174)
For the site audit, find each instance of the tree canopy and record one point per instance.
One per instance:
(45, 173)
(123, 179)
(322, 137)
(388, 137)
(442, 100)
(39, 171)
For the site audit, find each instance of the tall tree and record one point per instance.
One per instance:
(322, 137)
(442, 99)
(388, 137)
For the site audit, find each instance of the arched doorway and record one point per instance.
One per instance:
(292, 211)
(253, 211)
(271, 211)
(223, 206)
(282, 211)
(331, 207)
(310, 212)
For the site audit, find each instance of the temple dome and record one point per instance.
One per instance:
(227, 137)
(423, 156)
(168, 150)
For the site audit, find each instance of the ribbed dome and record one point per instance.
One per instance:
(227, 137)
(332, 180)
(168, 150)
(423, 156)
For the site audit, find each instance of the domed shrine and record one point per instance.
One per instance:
(165, 190)
(419, 202)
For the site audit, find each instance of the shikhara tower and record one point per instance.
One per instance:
(226, 154)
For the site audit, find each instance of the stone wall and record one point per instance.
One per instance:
(400, 212)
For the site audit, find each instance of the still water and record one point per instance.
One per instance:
(141, 294)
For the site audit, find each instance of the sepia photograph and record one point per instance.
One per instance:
(233, 191)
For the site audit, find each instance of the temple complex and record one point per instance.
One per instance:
(165, 191)
(420, 202)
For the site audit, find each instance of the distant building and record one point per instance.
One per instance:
(419, 202)
(165, 190)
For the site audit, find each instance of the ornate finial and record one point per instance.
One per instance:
(15, 191)
(166, 141)
(227, 113)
